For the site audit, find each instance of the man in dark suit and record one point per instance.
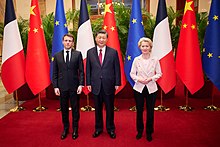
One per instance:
(68, 80)
(103, 78)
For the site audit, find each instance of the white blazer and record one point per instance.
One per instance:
(145, 68)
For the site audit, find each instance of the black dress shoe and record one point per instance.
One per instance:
(96, 134)
(138, 136)
(75, 135)
(64, 134)
(112, 134)
(149, 137)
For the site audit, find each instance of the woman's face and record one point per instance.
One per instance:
(145, 47)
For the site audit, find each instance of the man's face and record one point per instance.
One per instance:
(68, 42)
(101, 40)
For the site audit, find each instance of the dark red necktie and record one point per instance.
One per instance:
(100, 56)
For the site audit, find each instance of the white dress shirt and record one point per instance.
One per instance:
(145, 68)
(103, 52)
(66, 54)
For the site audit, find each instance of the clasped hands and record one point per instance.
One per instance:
(144, 80)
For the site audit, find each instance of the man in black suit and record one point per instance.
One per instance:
(68, 80)
(103, 78)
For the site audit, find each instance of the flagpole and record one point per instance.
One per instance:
(17, 108)
(161, 108)
(186, 107)
(87, 108)
(212, 107)
(40, 108)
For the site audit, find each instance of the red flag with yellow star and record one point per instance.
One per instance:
(37, 61)
(188, 59)
(110, 26)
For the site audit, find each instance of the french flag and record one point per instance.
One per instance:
(13, 59)
(85, 39)
(162, 48)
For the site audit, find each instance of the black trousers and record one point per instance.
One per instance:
(71, 97)
(150, 104)
(109, 106)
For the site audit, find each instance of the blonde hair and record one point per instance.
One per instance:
(145, 39)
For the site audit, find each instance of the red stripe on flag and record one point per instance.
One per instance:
(168, 81)
(85, 90)
(15, 65)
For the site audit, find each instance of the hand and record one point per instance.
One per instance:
(148, 80)
(79, 90)
(89, 88)
(57, 91)
(144, 81)
(116, 87)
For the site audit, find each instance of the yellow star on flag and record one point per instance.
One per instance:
(129, 58)
(65, 25)
(105, 27)
(57, 23)
(210, 55)
(35, 30)
(188, 6)
(134, 20)
(32, 10)
(193, 27)
(112, 28)
(215, 17)
(184, 25)
(107, 8)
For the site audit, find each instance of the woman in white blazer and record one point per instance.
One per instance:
(145, 71)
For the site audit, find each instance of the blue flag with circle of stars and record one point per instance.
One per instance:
(136, 31)
(211, 51)
(60, 29)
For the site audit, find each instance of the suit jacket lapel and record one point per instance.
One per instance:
(96, 55)
(147, 69)
(105, 57)
(63, 56)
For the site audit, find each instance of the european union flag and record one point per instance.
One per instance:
(60, 29)
(136, 31)
(211, 52)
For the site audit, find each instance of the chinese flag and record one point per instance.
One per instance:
(188, 59)
(37, 61)
(110, 26)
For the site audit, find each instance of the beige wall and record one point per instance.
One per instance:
(51, 5)
(23, 6)
(204, 5)
(154, 3)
